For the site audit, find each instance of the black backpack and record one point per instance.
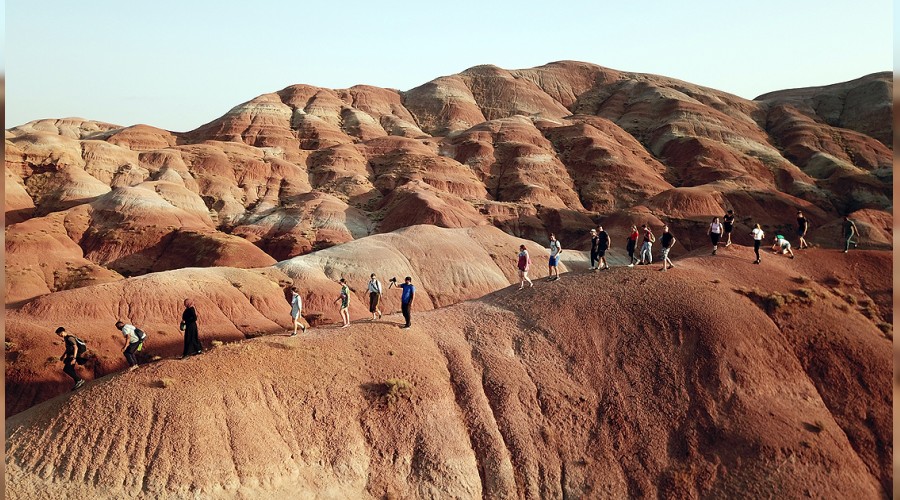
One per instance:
(140, 334)
(80, 349)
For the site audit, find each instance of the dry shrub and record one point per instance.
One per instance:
(217, 343)
(771, 301)
(396, 389)
(165, 383)
(802, 280)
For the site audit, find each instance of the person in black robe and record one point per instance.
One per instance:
(189, 327)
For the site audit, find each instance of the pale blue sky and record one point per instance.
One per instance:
(179, 64)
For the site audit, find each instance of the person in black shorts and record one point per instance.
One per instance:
(595, 242)
(602, 247)
(728, 223)
(802, 229)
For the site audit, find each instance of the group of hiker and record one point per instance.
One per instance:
(718, 232)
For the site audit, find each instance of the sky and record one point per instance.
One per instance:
(179, 64)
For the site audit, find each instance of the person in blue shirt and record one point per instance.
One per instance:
(406, 300)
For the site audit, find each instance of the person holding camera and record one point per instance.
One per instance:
(406, 300)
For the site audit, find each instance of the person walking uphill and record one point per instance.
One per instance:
(406, 300)
(374, 297)
(75, 349)
(134, 341)
(523, 264)
(344, 298)
(189, 320)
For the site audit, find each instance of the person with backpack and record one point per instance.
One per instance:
(75, 349)
(649, 239)
(134, 342)
(189, 320)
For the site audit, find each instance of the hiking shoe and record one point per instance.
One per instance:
(631, 265)
(293, 334)
(78, 384)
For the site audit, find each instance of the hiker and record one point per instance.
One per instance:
(75, 349)
(728, 226)
(849, 230)
(802, 229)
(555, 250)
(715, 232)
(667, 240)
(374, 297)
(134, 342)
(189, 319)
(646, 253)
(630, 246)
(758, 236)
(783, 245)
(344, 299)
(523, 264)
(602, 247)
(296, 309)
(406, 300)
(595, 243)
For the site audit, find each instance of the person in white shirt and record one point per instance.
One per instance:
(374, 297)
(555, 250)
(758, 236)
(134, 337)
(296, 308)
(715, 232)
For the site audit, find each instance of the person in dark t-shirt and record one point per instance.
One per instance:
(667, 241)
(75, 349)
(728, 223)
(595, 243)
(603, 242)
